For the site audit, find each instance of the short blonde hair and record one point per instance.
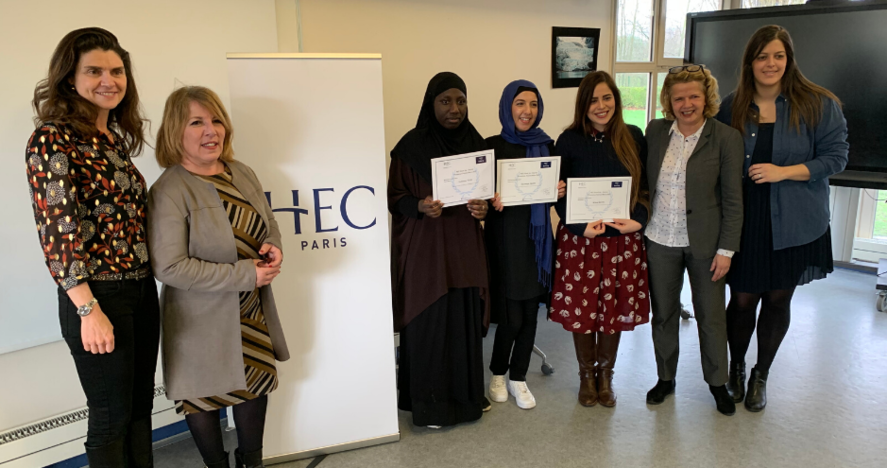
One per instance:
(709, 86)
(176, 112)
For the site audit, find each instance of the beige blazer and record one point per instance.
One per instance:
(194, 255)
(714, 184)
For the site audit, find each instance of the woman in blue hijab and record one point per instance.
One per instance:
(519, 246)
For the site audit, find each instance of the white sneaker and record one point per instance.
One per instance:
(521, 393)
(498, 393)
(433, 427)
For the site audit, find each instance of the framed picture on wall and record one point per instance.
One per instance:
(573, 55)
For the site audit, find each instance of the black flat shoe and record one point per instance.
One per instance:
(723, 400)
(657, 394)
(736, 381)
(756, 399)
(485, 405)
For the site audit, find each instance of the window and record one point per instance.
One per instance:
(879, 230)
(676, 23)
(870, 242)
(634, 30)
(770, 3)
(648, 43)
(634, 89)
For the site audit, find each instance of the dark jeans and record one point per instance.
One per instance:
(119, 386)
(515, 335)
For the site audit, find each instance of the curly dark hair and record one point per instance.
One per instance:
(56, 101)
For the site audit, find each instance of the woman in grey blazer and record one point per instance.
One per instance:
(694, 170)
(216, 248)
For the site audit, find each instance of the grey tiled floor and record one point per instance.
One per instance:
(827, 393)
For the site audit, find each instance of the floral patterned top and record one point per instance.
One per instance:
(90, 204)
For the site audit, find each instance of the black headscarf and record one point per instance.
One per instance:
(430, 139)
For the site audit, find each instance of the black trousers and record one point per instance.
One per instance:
(515, 336)
(119, 386)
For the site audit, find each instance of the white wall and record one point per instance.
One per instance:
(171, 42)
(487, 42)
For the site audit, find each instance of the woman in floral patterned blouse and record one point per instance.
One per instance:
(89, 204)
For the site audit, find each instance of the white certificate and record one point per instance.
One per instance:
(528, 180)
(457, 179)
(598, 198)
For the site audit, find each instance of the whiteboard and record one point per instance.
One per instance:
(168, 49)
(312, 129)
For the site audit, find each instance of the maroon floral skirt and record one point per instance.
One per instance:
(600, 284)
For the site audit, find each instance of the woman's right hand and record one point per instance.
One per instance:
(430, 207)
(594, 229)
(96, 332)
(265, 274)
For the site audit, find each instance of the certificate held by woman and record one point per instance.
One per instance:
(591, 199)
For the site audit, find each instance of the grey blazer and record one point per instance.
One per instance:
(714, 184)
(193, 254)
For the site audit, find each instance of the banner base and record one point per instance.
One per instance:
(330, 449)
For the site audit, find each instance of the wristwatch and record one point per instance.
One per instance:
(85, 309)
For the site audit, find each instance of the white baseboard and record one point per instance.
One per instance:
(61, 437)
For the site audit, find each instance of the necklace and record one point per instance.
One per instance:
(597, 136)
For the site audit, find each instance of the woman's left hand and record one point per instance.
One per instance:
(625, 226)
(478, 208)
(720, 265)
(561, 189)
(272, 255)
(766, 173)
(497, 203)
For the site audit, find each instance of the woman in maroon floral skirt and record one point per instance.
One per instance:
(600, 287)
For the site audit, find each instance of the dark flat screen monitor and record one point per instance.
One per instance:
(842, 47)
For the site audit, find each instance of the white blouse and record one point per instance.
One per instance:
(668, 225)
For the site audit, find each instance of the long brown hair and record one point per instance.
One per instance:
(623, 143)
(56, 101)
(804, 95)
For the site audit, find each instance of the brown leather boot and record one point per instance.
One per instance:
(586, 354)
(607, 347)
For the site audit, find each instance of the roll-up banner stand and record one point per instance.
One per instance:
(311, 127)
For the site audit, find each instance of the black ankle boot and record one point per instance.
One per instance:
(223, 463)
(722, 400)
(248, 459)
(756, 399)
(736, 382)
(657, 394)
(111, 455)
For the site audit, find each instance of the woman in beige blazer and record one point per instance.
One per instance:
(694, 171)
(216, 248)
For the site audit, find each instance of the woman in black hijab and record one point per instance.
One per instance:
(439, 267)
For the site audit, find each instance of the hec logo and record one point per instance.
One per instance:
(320, 197)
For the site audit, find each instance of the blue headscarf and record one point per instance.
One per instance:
(536, 141)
